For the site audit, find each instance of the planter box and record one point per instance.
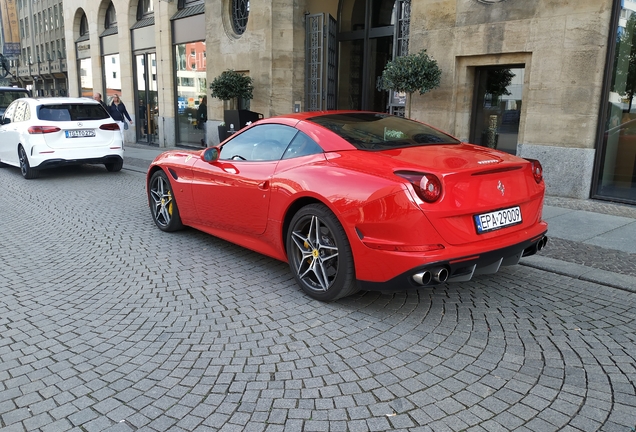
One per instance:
(239, 118)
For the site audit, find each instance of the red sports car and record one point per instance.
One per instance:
(356, 200)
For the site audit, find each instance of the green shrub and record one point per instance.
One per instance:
(411, 73)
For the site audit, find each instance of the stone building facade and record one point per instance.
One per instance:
(41, 64)
(531, 77)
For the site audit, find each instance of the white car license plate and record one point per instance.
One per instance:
(80, 133)
(498, 219)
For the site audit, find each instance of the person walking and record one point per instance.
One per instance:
(202, 118)
(98, 98)
(118, 112)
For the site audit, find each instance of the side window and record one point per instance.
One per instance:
(9, 113)
(19, 112)
(261, 143)
(27, 112)
(301, 145)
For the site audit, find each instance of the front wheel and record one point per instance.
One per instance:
(25, 167)
(163, 206)
(319, 254)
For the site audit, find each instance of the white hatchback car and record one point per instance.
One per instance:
(40, 133)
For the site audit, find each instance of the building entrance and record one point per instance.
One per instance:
(497, 107)
(366, 37)
(146, 98)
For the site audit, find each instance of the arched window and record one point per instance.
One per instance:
(240, 11)
(145, 9)
(111, 17)
(83, 26)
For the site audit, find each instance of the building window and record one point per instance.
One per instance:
(617, 164)
(240, 12)
(111, 75)
(191, 92)
(145, 9)
(83, 26)
(111, 17)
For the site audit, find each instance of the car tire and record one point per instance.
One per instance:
(323, 267)
(114, 166)
(163, 206)
(25, 168)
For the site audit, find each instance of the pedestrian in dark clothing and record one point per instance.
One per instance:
(98, 98)
(118, 112)
(202, 118)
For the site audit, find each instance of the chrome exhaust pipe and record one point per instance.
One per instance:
(423, 278)
(541, 243)
(440, 275)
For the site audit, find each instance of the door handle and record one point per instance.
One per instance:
(264, 185)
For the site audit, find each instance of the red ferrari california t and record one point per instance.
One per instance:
(356, 200)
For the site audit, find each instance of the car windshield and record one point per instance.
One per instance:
(372, 131)
(72, 112)
(6, 97)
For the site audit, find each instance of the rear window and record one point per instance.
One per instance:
(371, 131)
(72, 112)
(8, 96)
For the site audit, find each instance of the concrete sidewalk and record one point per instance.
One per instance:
(588, 240)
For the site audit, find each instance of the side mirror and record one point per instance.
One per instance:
(211, 155)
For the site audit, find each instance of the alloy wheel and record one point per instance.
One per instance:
(315, 253)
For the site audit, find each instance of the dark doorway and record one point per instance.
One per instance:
(497, 108)
(366, 39)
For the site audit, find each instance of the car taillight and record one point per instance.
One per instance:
(43, 129)
(110, 126)
(427, 186)
(537, 170)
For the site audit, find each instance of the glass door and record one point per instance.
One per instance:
(146, 98)
(366, 45)
(497, 109)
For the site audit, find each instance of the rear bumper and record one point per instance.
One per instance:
(52, 163)
(51, 159)
(458, 269)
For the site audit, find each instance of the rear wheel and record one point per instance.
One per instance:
(163, 206)
(25, 168)
(114, 166)
(319, 254)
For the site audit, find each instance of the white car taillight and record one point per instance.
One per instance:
(43, 129)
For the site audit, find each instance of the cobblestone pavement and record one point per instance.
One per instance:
(108, 324)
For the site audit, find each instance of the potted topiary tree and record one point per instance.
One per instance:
(233, 88)
(410, 73)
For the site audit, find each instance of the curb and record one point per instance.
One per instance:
(578, 271)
